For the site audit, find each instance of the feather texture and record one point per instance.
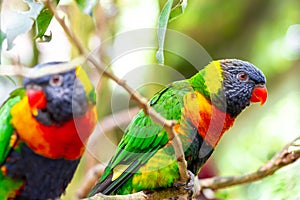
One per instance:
(145, 160)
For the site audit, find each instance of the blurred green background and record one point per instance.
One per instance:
(266, 33)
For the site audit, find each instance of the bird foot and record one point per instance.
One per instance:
(189, 185)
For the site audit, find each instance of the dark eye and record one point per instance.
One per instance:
(56, 80)
(242, 76)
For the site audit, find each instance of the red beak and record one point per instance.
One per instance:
(259, 94)
(36, 98)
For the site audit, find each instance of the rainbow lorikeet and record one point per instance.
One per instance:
(43, 129)
(204, 106)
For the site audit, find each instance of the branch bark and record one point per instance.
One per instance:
(288, 155)
(140, 100)
(18, 70)
(281, 159)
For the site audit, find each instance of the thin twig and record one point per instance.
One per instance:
(94, 174)
(89, 181)
(135, 196)
(289, 154)
(18, 70)
(140, 100)
(107, 124)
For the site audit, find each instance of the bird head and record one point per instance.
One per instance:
(57, 98)
(231, 85)
(242, 84)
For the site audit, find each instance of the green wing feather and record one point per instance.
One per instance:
(6, 129)
(8, 185)
(142, 138)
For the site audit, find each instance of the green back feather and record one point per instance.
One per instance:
(6, 128)
(8, 185)
(143, 138)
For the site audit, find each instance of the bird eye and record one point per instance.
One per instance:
(56, 80)
(242, 76)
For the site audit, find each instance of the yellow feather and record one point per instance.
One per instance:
(118, 170)
(213, 77)
(83, 77)
(152, 175)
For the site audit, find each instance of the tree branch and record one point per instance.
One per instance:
(140, 100)
(91, 177)
(283, 158)
(18, 70)
(135, 196)
(107, 124)
(289, 154)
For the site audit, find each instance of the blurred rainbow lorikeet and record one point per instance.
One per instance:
(204, 106)
(43, 129)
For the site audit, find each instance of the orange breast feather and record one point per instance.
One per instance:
(66, 141)
(211, 122)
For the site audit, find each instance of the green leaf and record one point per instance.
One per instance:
(21, 22)
(87, 6)
(167, 15)
(162, 27)
(46, 38)
(42, 23)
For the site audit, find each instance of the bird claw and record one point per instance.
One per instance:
(179, 184)
(189, 185)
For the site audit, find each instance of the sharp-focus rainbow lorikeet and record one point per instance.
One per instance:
(204, 106)
(43, 129)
